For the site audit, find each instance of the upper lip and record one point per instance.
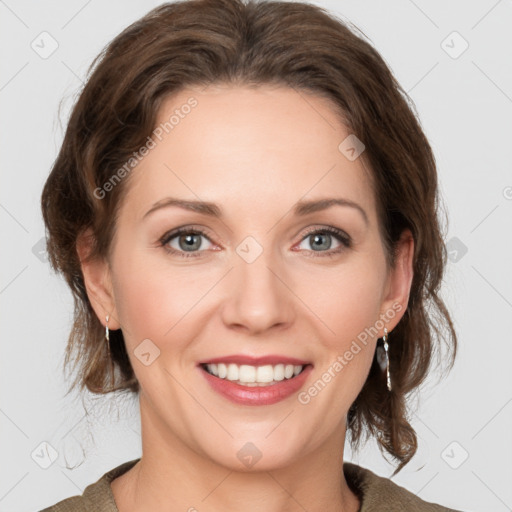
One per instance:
(256, 361)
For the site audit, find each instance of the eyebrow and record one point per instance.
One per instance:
(301, 208)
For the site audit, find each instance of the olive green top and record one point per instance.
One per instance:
(376, 493)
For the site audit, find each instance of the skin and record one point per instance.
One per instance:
(254, 152)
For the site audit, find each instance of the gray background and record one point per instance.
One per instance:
(465, 105)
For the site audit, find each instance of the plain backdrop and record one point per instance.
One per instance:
(454, 59)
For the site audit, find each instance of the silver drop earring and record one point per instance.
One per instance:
(107, 337)
(386, 348)
(109, 356)
(106, 328)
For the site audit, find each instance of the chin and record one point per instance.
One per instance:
(254, 453)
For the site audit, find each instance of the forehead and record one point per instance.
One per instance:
(248, 147)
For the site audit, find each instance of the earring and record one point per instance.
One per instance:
(386, 348)
(107, 340)
(107, 337)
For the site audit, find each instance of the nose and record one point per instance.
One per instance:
(258, 297)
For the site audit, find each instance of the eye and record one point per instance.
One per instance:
(185, 242)
(321, 241)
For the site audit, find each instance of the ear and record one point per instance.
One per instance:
(398, 286)
(98, 281)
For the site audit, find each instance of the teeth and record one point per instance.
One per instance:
(222, 370)
(254, 375)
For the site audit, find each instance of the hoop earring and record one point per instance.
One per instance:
(386, 348)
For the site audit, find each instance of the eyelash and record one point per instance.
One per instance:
(341, 236)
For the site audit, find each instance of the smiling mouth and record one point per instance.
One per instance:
(254, 376)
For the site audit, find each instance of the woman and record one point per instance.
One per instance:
(244, 206)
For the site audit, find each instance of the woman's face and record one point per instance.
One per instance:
(263, 270)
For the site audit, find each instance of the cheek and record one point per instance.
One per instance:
(348, 303)
(148, 300)
(347, 300)
(155, 299)
(153, 304)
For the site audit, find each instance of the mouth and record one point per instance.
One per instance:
(260, 380)
(254, 376)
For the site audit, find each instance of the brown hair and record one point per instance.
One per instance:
(201, 42)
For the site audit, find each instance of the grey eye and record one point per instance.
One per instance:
(319, 241)
(188, 242)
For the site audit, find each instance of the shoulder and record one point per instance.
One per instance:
(378, 493)
(96, 496)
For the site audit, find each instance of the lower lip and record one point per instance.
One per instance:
(257, 395)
